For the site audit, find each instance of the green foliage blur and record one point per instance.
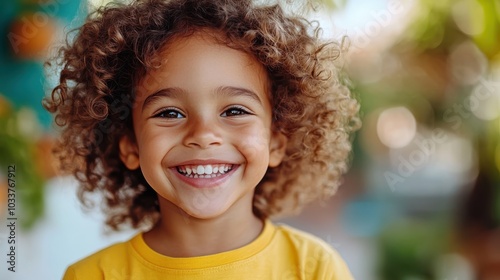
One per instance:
(19, 130)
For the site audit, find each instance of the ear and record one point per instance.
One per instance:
(277, 148)
(129, 153)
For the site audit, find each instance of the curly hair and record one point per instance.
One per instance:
(118, 44)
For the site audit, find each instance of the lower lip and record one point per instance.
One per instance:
(205, 183)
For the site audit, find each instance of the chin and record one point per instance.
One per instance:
(205, 213)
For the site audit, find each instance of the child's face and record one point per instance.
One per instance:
(202, 124)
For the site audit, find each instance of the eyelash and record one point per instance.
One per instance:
(241, 111)
(236, 110)
(168, 111)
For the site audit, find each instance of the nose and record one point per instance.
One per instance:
(203, 133)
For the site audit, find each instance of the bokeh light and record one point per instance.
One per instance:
(396, 127)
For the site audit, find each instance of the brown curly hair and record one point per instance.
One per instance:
(118, 44)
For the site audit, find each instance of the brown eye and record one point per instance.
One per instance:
(169, 114)
(234, 111)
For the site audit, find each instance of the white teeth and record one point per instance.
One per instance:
(204, 171)
(200, 169)
(208, 169)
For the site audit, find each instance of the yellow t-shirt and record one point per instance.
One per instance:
(279, 252)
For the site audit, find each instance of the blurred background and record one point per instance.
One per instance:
(422, 199)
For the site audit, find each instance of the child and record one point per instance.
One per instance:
(198, 120)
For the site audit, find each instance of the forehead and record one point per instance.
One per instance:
(203, 54)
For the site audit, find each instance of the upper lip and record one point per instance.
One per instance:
(203, 162)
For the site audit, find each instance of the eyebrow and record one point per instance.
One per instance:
(224, 91)
(228, 91)
(172, 92)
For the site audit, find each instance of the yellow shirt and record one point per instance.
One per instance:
(279, 252)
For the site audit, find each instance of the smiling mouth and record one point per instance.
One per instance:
(204, 171)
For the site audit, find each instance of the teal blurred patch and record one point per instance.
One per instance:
(22, 81)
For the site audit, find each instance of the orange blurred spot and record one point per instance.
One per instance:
(31, 35)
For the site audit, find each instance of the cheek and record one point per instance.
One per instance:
(254, 144)
(153, 146)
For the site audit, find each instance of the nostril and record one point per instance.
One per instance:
(203, 142)
(203, 133)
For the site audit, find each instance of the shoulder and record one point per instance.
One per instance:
(314, 256)
(303, 241)
(94, 266)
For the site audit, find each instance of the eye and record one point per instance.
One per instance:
(169, 114)
(234, 111)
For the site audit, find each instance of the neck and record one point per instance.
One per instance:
(178, 234)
